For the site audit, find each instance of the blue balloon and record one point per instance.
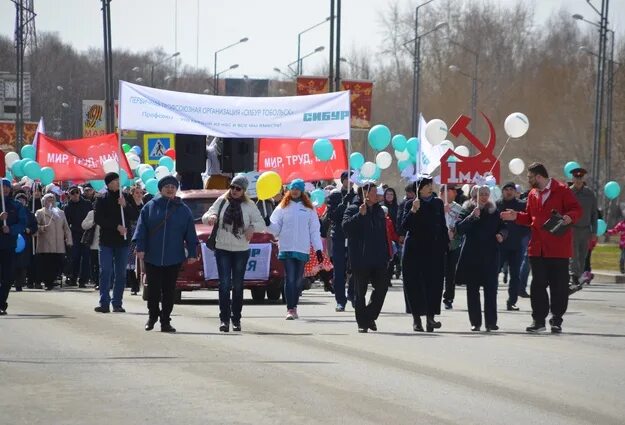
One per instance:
(21, 244)
(28, 151)
(413, 146)
(32, 170)
(378, 173)
(399, 142)
(166, 162)
(123, 178)
(452, 159)
(47, 176)
(136, 149)
(98, 185)
(402, 165)
(318, 197)
(356, 160)
(379, 137)
(323, 149)
(151, 186)
(9, 175)
(570, 166)
(612, 190)
(602, 226)
(148, 175)
(18, 168)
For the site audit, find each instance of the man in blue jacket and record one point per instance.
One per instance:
(12, 222)
(165, 238)
(364, 224)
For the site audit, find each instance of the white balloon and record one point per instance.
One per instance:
(495, 194)
(403, 155)
(462, 150)
(142, 168)
(435, 131)
(367, 170)
(446, 144)
(516, 125)
(383, 160)
(10, 158)
(133, 160)
(465, 189)
(161, 171)
(516, 166)
(110, 166)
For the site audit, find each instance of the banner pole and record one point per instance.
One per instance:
(32, 237)
(3, 205)
(119, 150)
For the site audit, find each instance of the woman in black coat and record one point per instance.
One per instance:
(423, 259)
(483, 231)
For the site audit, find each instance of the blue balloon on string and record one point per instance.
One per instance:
(97, 185)
(28, 151)
(399, 142)
(602, 226)
(378, 173)
(136, 149)
(318, 197)
(379, 137)
(402, 165)
(413, 146)
(166, 162)
(21, 244)
(356, 160)
(323, 149)
(612, 190)
(148, 174)
(123, 178)
(18, 168)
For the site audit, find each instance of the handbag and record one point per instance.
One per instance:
(211, 242)
(555, 225)
(87, 236)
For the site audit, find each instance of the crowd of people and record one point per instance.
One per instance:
(433, 241)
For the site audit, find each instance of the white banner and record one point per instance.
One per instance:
(257, 267)
(304, 117)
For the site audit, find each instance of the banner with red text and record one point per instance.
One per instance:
(294, 158)
(360, 102)
(80, 159)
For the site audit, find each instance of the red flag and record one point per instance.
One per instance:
(80, 159)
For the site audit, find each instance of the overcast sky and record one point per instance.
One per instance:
(271, 25)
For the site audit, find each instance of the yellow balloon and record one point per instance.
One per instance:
(268, 185)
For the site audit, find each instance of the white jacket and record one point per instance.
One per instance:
(87, 224)
(227, 240)
(296, 228)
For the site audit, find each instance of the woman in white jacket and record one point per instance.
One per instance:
(296, 226)
(239, 219)
(52, 238)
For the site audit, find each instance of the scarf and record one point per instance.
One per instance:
(427, 199)
(234, 216)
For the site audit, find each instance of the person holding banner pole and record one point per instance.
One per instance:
(237, 219)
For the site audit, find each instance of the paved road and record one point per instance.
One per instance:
(61, 363)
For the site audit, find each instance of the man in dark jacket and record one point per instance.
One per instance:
(12, 223)
(584, 231)
(113, 242)
(364, 225)
(511, 249)
(75, 212)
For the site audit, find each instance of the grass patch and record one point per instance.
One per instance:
(606, 257)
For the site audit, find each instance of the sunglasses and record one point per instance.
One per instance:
(236, 188)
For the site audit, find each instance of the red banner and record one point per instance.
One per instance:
(360, 102)
(294, 158)
(312, 85)
(80, 159)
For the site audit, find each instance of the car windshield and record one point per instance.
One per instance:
(199, 206)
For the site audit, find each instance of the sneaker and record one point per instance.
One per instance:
(339, 308)
(475, 328)
(363, 330)
(3, 312)
(150, 325)
(224, 327)
(449, 305)
(290, 314)
(556, 329)
(373, 326)
(536, 327)
(119, 310)
(166, 327)
(524, 294)
(236, 325)
(295, 315)
(100, 309)
(492, 328)
(512, 307)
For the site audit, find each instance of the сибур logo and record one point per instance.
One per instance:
(326, 116)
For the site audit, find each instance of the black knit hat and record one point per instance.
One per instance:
(110, 177)
(168, 180)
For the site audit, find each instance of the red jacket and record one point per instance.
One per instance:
(543, 243)
(619, 228)
(391, 235)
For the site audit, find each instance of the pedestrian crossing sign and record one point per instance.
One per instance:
(155, 146)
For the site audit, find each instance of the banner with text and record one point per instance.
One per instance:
(156, 110)
(294, 158)
(80, 159)
(360, 101)
(257, 267)
(93, 118)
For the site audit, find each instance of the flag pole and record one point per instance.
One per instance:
(3, 204)
(119, 164)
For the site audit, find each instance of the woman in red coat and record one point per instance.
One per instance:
(548, 253)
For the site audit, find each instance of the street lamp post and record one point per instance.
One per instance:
(154, 65)
(216, 76)
(216, 88)
(301, 60)
(474, 81)
(299, 43)
(279, 71)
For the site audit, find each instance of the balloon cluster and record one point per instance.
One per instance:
(27, 166)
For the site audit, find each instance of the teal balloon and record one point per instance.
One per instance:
(318, 196)
(18, 168)
(413, 146)
(377, 174)
(356, 160)
(399, 142)
(323, 149)
(32, 170)
(21, 244)
(612, 190)
(151, 186)
(452, 159)
(602, 226)
(9, 175)
(98, 185)
(28, 151)
(402, 165)
(47, 176)
(570, 166)
(166, 162)
(148, 175)
(123, 178)
(379, 137)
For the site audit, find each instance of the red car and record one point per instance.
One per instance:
(191, 277)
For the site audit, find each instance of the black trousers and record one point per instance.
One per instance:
(378, 277)
(7, 274)
(554, 274)
(161, 288)
(451, 261)
(49, 267)
(423, 283)
(490, 301)
(94, 266)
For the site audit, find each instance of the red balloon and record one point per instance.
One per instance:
(171, 153)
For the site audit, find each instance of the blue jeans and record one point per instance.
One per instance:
(112, 260)
(80, 261)
(525, 265)
(231, 269)
(338, 262)
(294, 273)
